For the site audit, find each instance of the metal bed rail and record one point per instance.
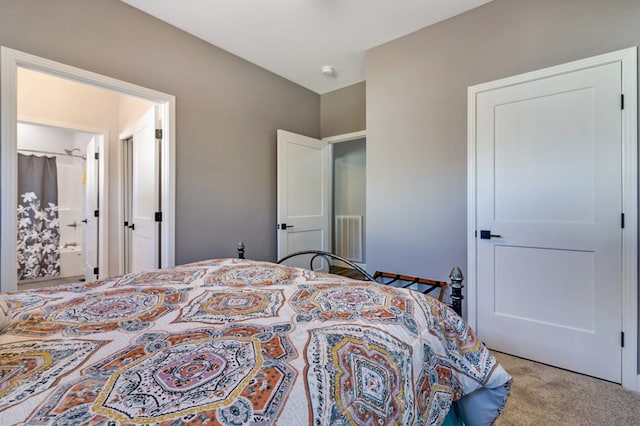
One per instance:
(456, 278)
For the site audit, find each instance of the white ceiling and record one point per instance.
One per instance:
(296, 38)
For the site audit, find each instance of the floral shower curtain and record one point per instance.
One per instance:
(38, 226)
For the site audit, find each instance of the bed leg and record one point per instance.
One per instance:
(456, 278)
(240, 248)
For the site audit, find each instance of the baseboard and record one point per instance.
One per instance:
(638, 384)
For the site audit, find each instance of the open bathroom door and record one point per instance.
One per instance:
(91, 210)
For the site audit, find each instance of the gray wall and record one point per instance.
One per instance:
(343, 111)
(417, 114)
(227, 114)
(349, 173)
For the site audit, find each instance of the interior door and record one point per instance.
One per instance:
(304, 187)
(145, 199)
(549, 205)
(91, 210)
(127, 196)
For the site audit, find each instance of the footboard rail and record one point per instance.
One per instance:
(387, 278)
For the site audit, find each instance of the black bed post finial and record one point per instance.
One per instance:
(456, 278)
(240, 248)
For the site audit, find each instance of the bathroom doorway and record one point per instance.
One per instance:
(119, 101)
(58, 194)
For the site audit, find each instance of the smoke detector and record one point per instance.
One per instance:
(328, 70)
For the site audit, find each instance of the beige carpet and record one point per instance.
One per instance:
(543, 395)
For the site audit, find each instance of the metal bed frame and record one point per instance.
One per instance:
(455, 276)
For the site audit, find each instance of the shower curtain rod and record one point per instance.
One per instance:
(52, 153)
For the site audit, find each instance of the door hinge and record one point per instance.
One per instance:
(158, 133)
(96, 270)
(158, 216)
(622, 339)
(621, 101)
(96, 155)
(96, 213)
(622, 220)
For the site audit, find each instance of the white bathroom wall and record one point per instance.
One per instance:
(44, 138)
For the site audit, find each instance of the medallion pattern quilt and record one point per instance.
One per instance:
(233, 342)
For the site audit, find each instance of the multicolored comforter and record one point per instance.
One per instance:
(233, 342)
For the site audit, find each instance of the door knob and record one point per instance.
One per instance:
(487, 235)
(284, 226)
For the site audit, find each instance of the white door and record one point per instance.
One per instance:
(145, 174)
(127, 196)
(548, 185)
(91, 210)
(304, 205)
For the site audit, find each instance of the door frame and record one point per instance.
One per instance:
(629, 303)
(330, 140)
(103, 182)
(347, 137)
(10, 60)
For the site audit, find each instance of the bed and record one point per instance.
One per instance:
(236, 341)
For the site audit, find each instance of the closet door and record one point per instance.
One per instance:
(549, 206)
(145, 197)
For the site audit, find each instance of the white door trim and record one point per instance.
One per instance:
(628, 59)
(346, 137)
(10, 60)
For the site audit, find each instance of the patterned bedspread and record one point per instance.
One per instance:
(229, 342)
